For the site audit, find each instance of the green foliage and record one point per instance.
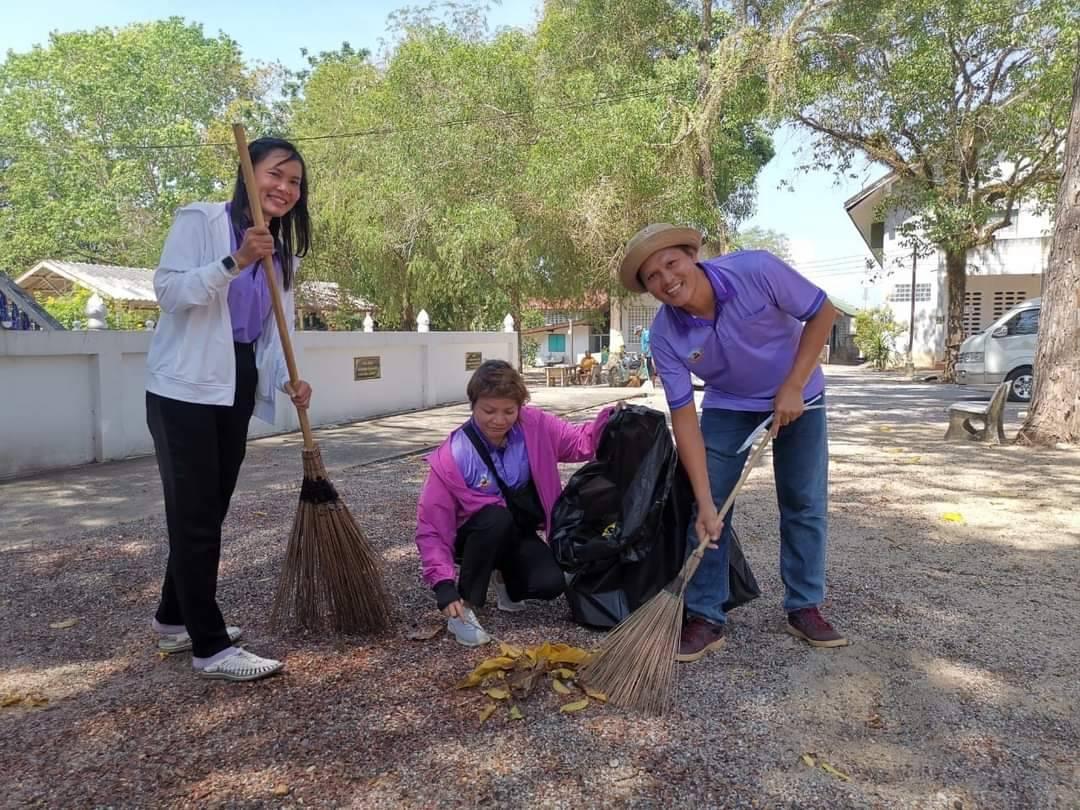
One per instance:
(875, 335)
(70, 310)
(63, 192)
(764, 239)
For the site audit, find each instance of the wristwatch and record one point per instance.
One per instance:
(229, 264)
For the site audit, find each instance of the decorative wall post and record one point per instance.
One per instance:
(423, 321)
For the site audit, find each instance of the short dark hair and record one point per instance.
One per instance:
(292, 232)
(497, 379)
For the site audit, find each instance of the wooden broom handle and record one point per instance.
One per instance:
(271, 280)
(750, 464)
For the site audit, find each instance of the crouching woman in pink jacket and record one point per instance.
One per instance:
(491, 486)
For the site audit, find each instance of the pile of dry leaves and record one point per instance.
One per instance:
(517, 672)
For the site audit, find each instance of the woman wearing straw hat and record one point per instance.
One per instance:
(751, 327)
(214, 361)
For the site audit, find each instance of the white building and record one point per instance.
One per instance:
(1000, 275)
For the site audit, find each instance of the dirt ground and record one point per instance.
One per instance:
(955, 570)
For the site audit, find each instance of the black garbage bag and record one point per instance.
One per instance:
(619, 528)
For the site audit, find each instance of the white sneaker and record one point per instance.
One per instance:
(503, 601)
(181, 642)
(241, 666)
(468, 631)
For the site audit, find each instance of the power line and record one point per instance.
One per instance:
(509, 115)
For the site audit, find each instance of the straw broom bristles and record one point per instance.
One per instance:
(331, 576)
(635, 664)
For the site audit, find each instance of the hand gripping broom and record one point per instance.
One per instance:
(332, 577)
(635, 665)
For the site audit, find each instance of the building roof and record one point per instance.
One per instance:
(11, 292)
(327, 296)
(877, 185)
(134, 286)
(843, 306)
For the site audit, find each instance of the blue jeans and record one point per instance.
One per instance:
(801, 468)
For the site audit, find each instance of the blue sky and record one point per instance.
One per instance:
(825, 245)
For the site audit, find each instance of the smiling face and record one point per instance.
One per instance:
(671, 276)
(278, 177)
(495, 416)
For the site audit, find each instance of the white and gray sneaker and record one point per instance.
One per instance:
(468, 631)
(172, 643)
(502, 597)
(240, 665)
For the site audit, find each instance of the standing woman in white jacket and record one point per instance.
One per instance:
(215, 360)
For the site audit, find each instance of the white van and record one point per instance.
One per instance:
(1005, 351)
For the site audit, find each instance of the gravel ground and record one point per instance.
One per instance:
(959, 690)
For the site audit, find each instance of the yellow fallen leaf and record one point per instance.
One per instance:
(565, 654)
(64, 625)
(829, 769)
(913, 460)
(560, 687)
(895, 450)
(497, 694)
(510, 651)
(10, 699)
(484, 669)
(885, 429)
(952, 517)
(515, 713)
(162, 655)
(595, 695)
(259, 514)
(576, 706)
(37, 701)
(808, 761)
(564, 673)
(280, 790)
(487, 711)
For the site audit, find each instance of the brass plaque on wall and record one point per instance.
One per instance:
(473, 360)
(366, 368)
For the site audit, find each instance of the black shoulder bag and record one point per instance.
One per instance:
(523, 503)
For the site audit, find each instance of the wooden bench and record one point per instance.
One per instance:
(990, 416)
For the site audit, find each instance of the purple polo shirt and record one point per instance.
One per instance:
(511, 461)
(746, 351)
(249, 297)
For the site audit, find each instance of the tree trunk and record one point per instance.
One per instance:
(1054, 416)
(956, 283)
(515, 313)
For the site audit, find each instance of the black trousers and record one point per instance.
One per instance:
(199, 451)
(490, 540)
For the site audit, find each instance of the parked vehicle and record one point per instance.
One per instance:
(1005, 351)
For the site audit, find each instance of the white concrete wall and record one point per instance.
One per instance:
(71, 398)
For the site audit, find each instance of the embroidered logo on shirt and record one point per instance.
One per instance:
(695, 355)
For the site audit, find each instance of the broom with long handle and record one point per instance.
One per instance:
(332, 577)
(635, 665)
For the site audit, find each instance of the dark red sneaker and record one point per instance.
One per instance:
(809, 625)
(698, 637)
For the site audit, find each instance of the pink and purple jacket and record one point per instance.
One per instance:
(446, 501)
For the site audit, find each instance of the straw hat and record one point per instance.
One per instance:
(646, 242)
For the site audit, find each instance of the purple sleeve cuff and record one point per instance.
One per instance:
(818, 301)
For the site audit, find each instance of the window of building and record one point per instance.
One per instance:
(556, 343)
(902, 292)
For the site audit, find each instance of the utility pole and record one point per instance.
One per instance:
(911, 322)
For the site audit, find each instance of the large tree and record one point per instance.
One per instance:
(75, 180)
(1054, 416)
(965, 102)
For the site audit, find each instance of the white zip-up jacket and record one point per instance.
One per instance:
(191, 355)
